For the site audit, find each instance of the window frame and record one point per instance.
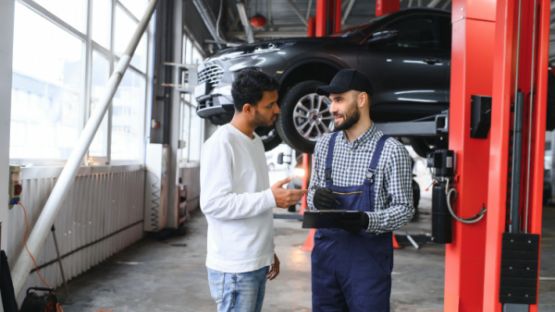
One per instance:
(86, 85)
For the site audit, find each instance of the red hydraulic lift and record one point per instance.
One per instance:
(328, 17)
(499, 49)
(471, 74)
(514, 223)
(384, 7)
(496, 137)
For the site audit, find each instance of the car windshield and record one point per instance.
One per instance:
(357, 31)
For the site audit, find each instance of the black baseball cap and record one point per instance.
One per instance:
(346, 80)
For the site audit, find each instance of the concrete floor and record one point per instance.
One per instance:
(169, 274)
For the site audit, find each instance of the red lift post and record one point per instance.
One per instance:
(530, 77)
(473, 273)
(384, 7)
(471, 74)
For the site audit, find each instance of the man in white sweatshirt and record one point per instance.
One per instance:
(238, 201)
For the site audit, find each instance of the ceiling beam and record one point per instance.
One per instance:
(347, 11)
(245, 21)
(209, 20)
(297, 12)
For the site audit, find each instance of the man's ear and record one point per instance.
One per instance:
(247, 108)
(361, 99)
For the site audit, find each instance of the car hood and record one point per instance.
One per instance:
(272, 46)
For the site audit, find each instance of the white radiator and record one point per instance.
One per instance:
(102, 214)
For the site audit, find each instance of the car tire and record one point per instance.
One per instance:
(302, 99)
(269, 136)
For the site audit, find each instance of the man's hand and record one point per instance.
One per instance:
(286, 197)
(273, 272)
(355, 225)
(325, 199)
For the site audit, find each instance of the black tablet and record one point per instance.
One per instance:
(328, 218)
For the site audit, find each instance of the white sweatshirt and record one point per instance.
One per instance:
(236, 198)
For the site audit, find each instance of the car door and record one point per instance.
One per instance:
(407, 61)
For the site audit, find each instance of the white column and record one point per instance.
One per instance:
(6, 49)
(173, 216)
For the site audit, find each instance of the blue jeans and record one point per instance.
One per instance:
(238, 292)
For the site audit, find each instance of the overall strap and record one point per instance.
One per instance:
(329, 159)
(376, 158)
(372, 170)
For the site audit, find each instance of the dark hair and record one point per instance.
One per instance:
(249, 85)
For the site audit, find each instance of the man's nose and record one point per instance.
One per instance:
(333, 108)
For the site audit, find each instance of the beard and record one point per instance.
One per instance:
(351, 118)
(260, 121)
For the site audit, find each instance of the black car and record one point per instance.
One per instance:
(406, 56)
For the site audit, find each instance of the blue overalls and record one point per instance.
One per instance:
(352, 271)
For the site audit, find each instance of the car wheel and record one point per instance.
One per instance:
(269, 136)
(304, 117)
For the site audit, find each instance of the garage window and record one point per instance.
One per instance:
(63, 54)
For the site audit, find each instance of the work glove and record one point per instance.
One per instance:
(325, 199)
(355, 225)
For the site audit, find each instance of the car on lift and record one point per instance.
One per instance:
(406, 56)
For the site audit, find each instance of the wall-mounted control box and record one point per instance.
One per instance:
(15, 185)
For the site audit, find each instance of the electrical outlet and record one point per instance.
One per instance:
(15, 185)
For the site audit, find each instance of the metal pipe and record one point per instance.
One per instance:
(177, 55)
(308, 9)
(517, 57)
(348, 11)
(433, 3)
(45, 221)
(514, 225)
(530, 110)
(245, 21)
(59, 259)
(208, 19)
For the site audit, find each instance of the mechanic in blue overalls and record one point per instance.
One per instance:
(357, 168)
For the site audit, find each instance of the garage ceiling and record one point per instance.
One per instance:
(287, 18)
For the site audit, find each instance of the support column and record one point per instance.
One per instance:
(328, 17)
(177, 34)
(384, 7)
(6, 50)
(321, 17)
(471, 74)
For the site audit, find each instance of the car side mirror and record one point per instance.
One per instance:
(383, 36)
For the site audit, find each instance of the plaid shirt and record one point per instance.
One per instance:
(393, 205)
